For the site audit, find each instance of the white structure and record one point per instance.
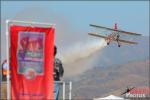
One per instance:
(64, 85)
(110, 97)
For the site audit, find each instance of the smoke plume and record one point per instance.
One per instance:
(81, 50)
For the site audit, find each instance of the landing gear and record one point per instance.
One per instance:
(118, 44)
(118, 40)
(107, 43)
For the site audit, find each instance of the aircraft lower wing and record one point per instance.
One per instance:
(97, 35)
(129, 42)
(124, 41)
(120, 31)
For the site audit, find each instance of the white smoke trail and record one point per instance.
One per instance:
(81, 50)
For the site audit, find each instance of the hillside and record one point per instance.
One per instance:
(101, 81)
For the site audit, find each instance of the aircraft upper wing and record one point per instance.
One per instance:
(97, 35)
(129, 42)
(121, 31)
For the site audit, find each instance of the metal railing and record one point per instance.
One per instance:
(65, 90)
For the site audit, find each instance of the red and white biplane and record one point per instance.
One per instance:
(115, 35)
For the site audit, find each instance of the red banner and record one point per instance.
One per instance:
(31, 62)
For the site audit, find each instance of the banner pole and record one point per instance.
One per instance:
(70, 89)
(29, 22)
(7, 54)
(64, 90)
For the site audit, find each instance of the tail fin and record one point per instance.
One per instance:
(115, 26)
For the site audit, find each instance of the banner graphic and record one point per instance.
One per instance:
(31, 62)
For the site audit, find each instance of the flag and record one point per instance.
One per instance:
(31, 62)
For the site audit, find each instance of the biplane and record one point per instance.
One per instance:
(115, 35)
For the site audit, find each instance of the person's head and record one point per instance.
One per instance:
(55, 50)
(5, 61)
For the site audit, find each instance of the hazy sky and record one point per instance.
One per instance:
(72, 21)
(130, 15)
